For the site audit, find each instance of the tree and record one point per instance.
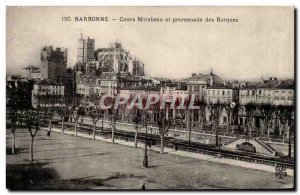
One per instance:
(95, 114)
(250, 111)
(190, 115)
(13, 115)
(163, 122)
(229, 115)
(13, 107)
(64, 112)
(113, 119)
(201, 111)
(50, 115)
(234, 114)
(267, 115)
(216, 111)
(32, 121)
(137, 117)
(76, 115)
(202, 114)
(180, 114)
(286, 114)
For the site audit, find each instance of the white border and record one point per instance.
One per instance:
(5, 3)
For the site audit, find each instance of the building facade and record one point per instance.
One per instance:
(54, 64)
(48, 94)
(86, 48)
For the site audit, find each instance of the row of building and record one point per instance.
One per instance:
(114, 70)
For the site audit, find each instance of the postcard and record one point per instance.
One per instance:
(150, 98)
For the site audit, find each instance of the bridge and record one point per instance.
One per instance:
(260, 146)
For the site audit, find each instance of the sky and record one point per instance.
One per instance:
(261, 43)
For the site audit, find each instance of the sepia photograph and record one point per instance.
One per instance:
(150, 98)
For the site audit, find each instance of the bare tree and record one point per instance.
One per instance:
(137, 118)
(180, 115)
(113, 119)
(216, 111)
(32, 120)
(95, 114)
(12, 109)
(229, 116)
(63, 112)
(250, 111)
(50, 116)
(286, 114)
(202, 114)
(189, 118)
(267, 115)
(76, 116)
(13, 115)
(163, 122)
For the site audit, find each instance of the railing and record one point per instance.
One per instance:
(238, 157)
(213, 152)
(268, 148)
(231, 141)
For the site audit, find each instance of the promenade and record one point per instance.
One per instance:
(64, 161)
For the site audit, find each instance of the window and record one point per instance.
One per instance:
(241, 121)
(223, 92)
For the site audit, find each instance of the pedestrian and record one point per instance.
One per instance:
(48, 134)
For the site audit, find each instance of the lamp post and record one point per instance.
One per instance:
(232, 106)
(145, 162)
(215, 108)
(150, 138)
